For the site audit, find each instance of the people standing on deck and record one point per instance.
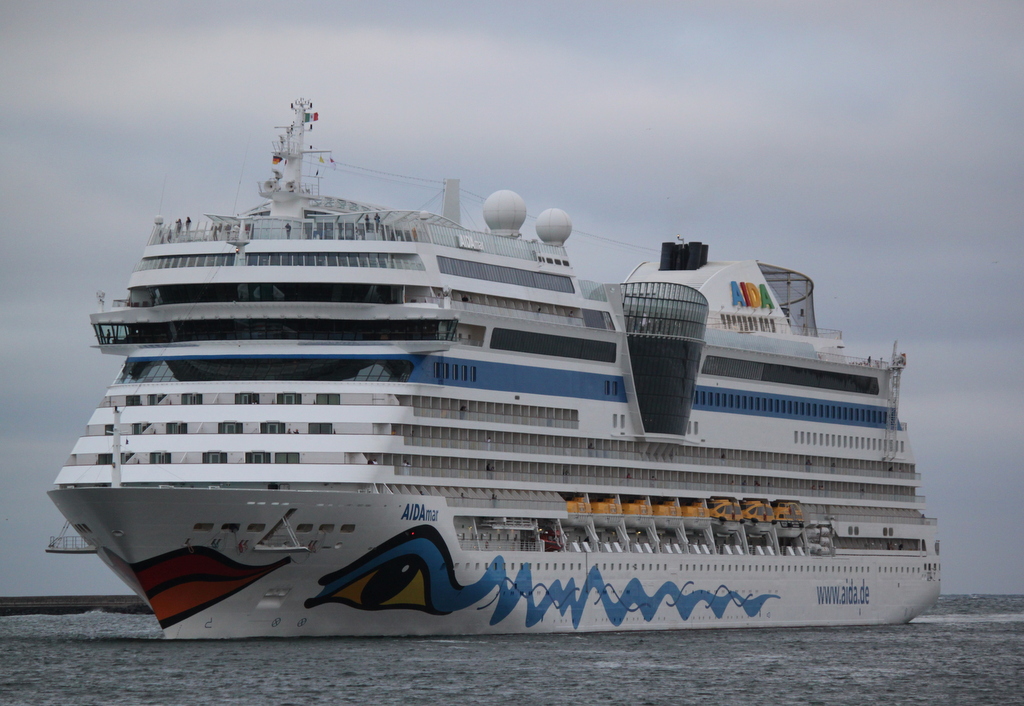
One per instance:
(188, 223)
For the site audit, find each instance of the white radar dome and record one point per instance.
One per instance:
(505, 212)
(554, 226)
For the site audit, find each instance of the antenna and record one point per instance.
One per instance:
(101, 298)
(162, 190)
(234, 207)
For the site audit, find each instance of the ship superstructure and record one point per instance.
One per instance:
(339, 418)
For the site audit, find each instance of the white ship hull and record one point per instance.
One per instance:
(335, 418)
(282, 593)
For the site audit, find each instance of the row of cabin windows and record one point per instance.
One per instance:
(209, 457)
(504, 413)
(470, 468)
(454, 371)
(846, 442)
(250, 457)
(229, 428)
(303, 528)
(839, 412)
(192, 398)
(755, 568)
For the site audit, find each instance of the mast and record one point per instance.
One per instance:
(892, 426)
(285, 190)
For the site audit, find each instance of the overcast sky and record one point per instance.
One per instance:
(875, 146)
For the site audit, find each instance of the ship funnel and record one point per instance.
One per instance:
(683, 256)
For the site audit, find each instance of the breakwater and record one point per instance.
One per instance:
(67, 605)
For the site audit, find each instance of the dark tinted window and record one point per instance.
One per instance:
(275, 329)
(216, 369)
(790, 375)
(505, 275)
(547, 344)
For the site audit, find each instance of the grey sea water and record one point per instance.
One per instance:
(968, 650)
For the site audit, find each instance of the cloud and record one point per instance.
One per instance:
(876, 148)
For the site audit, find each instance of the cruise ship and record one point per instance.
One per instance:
(336, 418)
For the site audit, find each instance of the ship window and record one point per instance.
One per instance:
(229, 428)
(548, 344)
(215, 369)
(321, 428)
(269, 291)
(399, 261)
(155, 399)
(133, 401)
(257, 457)
(192, 398)
(348, 529)
(303, 528)
(202, 527)
(177, 428)
(241, 329)
(256, 527)
(326, 528)
(328, 398)
(289, 457)
(247, 398)
(472, 373)
(273, 428)
(505, 275)
(160, 457)
(171, 261)
(289, 398)
(215, 457)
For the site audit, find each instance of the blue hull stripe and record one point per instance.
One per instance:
(535, 380)
(503, 377)
(805, 409)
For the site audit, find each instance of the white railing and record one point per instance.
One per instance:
(194, 233)
(869, 362)
(578, 479)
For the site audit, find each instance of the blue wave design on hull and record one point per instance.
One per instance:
(414, 570)
(617, 606)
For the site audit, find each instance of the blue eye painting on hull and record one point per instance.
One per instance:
(413, 571)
